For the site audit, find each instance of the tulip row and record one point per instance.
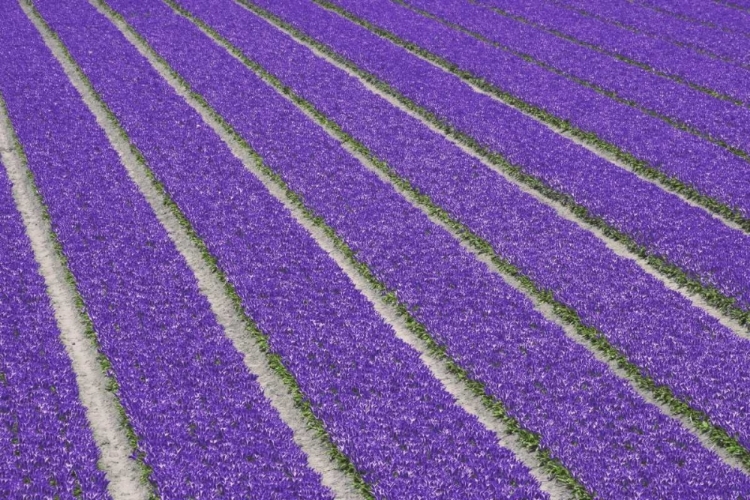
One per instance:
(720, 43)
(376, 400)
(664, 225)
(711, 75)
(687, 108)
(184, 388)
(707, 167)
(550, 384)
(719, 17)
(743, 5)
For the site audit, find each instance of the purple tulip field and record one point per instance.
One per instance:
(359, 249)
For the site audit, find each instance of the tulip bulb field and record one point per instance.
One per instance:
(358, 249)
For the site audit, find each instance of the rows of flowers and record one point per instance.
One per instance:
(682, 63)
(702, 112)
(546, 380)
(719, 15)
(198, 420)
(377, 401)
(654, 327)
(667, 226)
(719, 43)
(711, 169)
(202, 421)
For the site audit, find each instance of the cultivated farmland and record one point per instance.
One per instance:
(358, 249)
